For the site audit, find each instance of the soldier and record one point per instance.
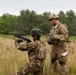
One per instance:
(58, 37)
(36, 54)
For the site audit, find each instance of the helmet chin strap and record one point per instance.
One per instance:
(34, 38)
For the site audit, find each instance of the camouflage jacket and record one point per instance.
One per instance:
(36, 50)
(58, 36)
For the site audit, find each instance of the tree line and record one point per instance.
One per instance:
(28, 20)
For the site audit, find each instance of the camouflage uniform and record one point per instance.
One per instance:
(36, 54)
(57, 38)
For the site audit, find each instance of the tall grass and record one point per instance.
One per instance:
(12, 59)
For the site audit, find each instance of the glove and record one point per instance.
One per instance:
(49, 41)
(52, 37)
(18, 41)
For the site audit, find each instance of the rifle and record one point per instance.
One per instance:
(18, 35)
(22, 37)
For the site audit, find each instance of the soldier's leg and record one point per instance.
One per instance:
(30, 68)
(25, 70)
(63, 66)
(53, 65)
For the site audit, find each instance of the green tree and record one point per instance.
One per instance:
(62, 17)
(9, 23)
(71, 21)
(26, 21)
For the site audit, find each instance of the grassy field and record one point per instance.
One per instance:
(12, 59)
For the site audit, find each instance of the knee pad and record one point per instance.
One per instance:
(62, 63)
(53, 59)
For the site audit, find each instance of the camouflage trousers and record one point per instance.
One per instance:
(62, 61)
(33, 68)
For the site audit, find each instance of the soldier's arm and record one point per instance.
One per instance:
(64, 34)
(26, 47)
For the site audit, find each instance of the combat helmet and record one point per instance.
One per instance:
(36, 32)
(52, 16)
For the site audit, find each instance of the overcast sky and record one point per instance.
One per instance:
(15, 6)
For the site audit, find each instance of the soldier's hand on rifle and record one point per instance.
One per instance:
(19, 40)
(49, 40)
(51, 37)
